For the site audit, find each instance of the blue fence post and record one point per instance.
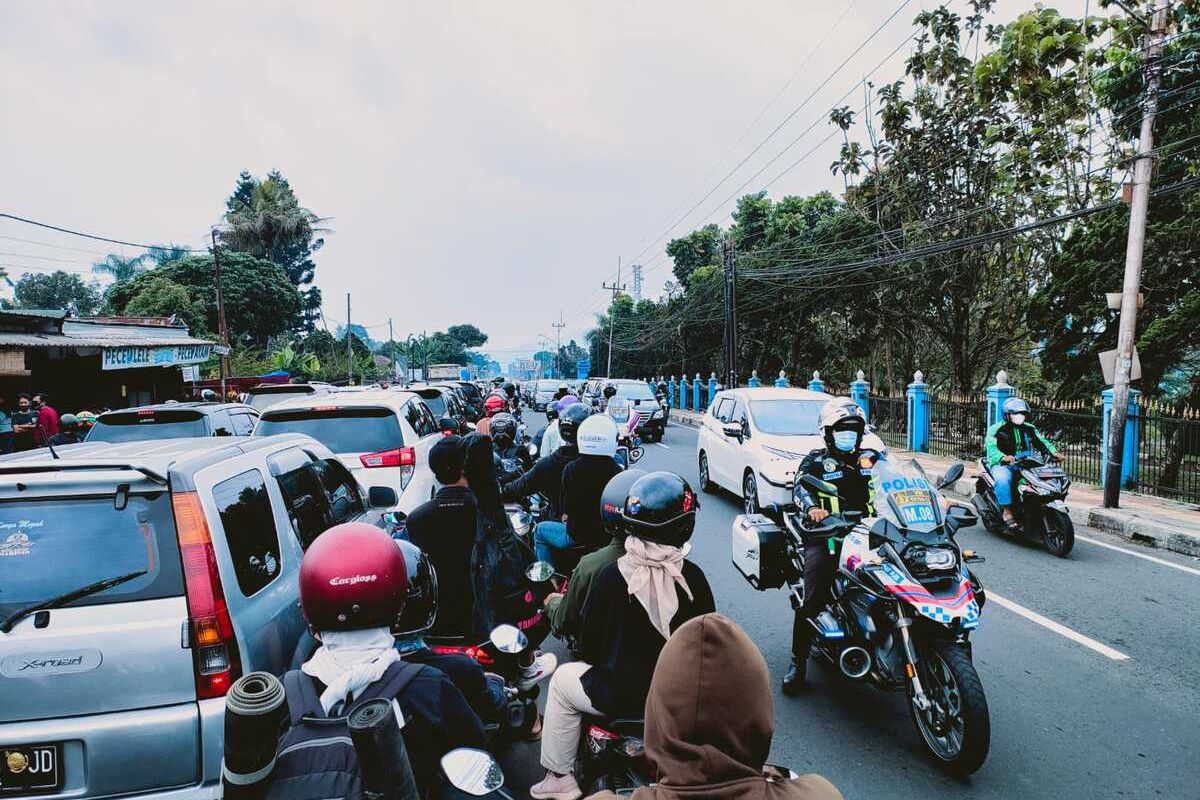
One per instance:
(1133, 432)
(673, 392)
(996, 395)
(696, 393)
(918, 414)
(782, 382)
(754, 382)
(712, 389)
(860, 393)
(816, 384)
(684, 392)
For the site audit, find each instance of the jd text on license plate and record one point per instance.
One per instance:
(30, 769)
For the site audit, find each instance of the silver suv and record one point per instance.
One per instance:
(137, 582)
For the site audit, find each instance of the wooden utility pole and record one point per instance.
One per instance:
(392, 349)
(557, 343)
(349, 346)
(612, 318)
(731, 344)
(222, 327)
(1139, 206)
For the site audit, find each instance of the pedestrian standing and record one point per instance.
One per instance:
(47, 419)
(24, 422)
(6, 428)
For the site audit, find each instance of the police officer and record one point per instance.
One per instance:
(844, 463)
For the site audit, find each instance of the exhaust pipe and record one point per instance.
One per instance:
(854, 662)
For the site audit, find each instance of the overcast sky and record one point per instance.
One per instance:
(483, 162)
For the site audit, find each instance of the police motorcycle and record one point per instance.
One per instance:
(903, 602)
(629, 444)
(1042, 514)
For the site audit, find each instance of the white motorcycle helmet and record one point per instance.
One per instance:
(841, 415)
(597, 436)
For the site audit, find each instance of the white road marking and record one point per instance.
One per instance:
(1061, 630)
(663, 446)
(1136, 554)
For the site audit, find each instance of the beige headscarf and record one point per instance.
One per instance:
(651, 571)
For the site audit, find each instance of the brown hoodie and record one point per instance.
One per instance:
(709, 720)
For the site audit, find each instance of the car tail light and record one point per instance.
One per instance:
(599, 738)
(214, 646)
(404, 457)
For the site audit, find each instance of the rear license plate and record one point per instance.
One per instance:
(30, 769)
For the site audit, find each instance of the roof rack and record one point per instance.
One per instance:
(80, 467)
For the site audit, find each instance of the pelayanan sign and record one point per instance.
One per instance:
(135, 357)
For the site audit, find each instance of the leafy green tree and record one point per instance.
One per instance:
(698, 249)
(260, 301)
(162, 297)
(265, 219)
(59, 289)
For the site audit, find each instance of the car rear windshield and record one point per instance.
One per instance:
(50, 547)
(137, 426)
(786, 417)
(436, 403)
(262, 398)
(634, 391)
(342, 430)
(546, 386)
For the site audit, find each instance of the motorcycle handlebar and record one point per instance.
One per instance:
(832, 524)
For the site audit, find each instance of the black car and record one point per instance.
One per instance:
(471, 392)
(443, 401)
(174, 421)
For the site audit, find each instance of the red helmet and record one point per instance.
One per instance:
(353, 576)
(494, 404)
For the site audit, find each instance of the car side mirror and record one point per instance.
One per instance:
(382, 497)
(817, 485)
(951, 477)
(733, 430)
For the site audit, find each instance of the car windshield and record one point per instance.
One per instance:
(51, 546)
(436, 403)
(138, 426)
(634, 391)
(260, 399)
(786, 417)
(342, 430)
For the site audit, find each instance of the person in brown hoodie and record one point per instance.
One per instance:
(710, 718)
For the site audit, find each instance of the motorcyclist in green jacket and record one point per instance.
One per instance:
(1005, 439)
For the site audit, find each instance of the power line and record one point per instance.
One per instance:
(99, 238)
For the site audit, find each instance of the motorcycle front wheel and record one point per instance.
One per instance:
(956, 727)
(1058, 532)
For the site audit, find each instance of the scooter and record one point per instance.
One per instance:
(1043, 515)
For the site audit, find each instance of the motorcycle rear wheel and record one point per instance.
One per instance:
(957, 728)
(1058, 532)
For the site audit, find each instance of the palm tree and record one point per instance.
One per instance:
(265, 219)
(120, 267)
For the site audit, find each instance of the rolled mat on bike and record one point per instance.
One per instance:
(256, 713)
(382, 757)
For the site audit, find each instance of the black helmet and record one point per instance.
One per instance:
(421, 603)
(498, 380)
(612, 500)
(569, 420)
(503, 430)
(661, 507)
(510, 388)
(610, 390)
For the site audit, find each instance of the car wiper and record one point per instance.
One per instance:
(54, 602)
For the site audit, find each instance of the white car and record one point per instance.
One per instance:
(752, 440)
(383, 437)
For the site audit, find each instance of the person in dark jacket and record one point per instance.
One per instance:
(633, 607)
(546, 475)
(444, 528)
(583, 481)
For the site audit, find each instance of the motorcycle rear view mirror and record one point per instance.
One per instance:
(509, 639)
(951, 477)
(963, 515)
(818, 485)
(539, 572)
(472, 771)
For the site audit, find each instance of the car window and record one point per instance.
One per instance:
(436, 403)
(341, 490)
(261, 399)
(249, 527)
(342, 430)
(222, 425)
(52, 546)
(635, 391)
(722, 408)
(786, 417)
(243, 424)
(304, 494)
(420, 418)
(143, 424)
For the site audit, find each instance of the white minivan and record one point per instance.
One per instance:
(383, 437)
(752, 440)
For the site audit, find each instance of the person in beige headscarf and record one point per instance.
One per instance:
(633, 606)
(709, 721)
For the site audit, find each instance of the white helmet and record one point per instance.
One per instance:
(841, 414)
(597, 436)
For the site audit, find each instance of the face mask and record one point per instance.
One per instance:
(845, 440)
(1017, 419)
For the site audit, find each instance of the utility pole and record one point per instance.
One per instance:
(1126, 333)
(730, 312)
(349, 346)
(392, 349)
(612, 318)
(222, 327)
(557, 342)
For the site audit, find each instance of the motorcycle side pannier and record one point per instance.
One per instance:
(759, 550)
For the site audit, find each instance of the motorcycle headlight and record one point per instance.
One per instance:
(922, 560)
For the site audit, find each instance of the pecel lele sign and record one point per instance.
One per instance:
(135, 357)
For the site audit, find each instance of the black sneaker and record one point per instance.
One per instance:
(793, 681)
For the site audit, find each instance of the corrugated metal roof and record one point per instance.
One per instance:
(45, 313)
(59, 340)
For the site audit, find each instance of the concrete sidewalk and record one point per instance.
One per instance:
(1141, 519)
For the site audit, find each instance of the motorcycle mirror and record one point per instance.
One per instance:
(539, 572)
(964, 516)
(509, 639)
(472, 771)
(951, 477)
(818, 485)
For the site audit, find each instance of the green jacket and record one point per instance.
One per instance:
(564, 611)
(1006, 439)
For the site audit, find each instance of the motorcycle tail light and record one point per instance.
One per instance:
(598, 738)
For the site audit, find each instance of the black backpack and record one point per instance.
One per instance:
(316, 758)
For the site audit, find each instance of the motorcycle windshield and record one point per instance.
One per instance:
(618, 410)
(905, 496)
